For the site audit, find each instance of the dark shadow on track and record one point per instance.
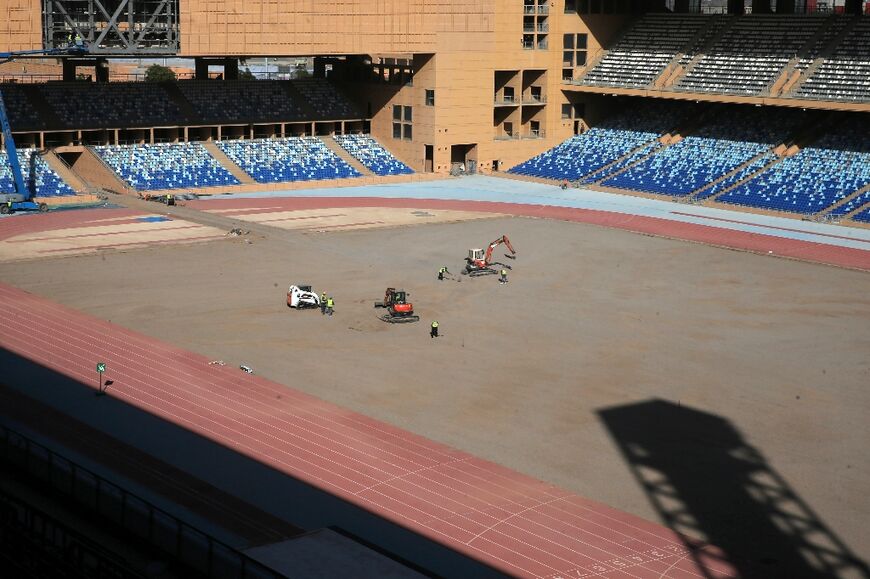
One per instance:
(707, 482)
(263, 487)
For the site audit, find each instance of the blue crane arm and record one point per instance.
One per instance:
(11, 151)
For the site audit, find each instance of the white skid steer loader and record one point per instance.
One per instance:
(301, 296)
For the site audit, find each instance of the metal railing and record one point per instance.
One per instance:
(136, 516)
(506, 100)
(37, 538)
(536, 9)
(535, 99)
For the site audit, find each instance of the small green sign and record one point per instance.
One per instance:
(101, 367)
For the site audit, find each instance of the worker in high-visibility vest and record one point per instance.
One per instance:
(441, 273)
(330, 305)
(323, 303)
(433, 333)
(503, 273)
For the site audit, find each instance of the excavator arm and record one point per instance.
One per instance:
(503, 239)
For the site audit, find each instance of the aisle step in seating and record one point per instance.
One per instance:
(851, 205)
(370, 153)
(38, 176)
(817, 177)
(713, 151)
(584, 154)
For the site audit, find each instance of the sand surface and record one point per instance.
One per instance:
(735, 386)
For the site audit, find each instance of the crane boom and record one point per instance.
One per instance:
(21, 192)
(12, 153)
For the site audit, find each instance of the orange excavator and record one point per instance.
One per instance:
(399, 309)
(480, 263)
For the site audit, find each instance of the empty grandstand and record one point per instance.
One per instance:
(720, 146)
(242, 101)
(634, 132)
(165, 166)
(834, 167)
(39, 177)
(111, 105)
(750, 54)
(287, 160)
(846, 74)
(326, 101)
(645, 50)
(371, 154)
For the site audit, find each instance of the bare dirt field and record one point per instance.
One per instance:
(723, 393)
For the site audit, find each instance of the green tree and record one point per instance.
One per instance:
(158, 73)
(247, 74)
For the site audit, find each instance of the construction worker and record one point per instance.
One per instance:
(503, 274)
(564, 184)
(433, 333)
(330, 305)
(323, 303)
(441, 273)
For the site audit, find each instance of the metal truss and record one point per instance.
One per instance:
(129, 27)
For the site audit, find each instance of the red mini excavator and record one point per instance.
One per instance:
(480, 263)
(399, 310)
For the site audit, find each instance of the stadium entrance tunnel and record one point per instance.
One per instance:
(463, 158)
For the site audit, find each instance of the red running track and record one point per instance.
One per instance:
(711, 235)
(517, 524)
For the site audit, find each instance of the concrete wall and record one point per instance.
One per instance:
(308, 27)
(20, 25)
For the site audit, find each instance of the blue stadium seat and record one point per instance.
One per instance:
(582, 155)
(717, 149)
(325, 99)
(852, 205)
(113, 105)
(241, 100)
(37, 175)
(817, 177)
(863, 216)
(288, 159)
(166, 166)
(19, 108)
(371, 154)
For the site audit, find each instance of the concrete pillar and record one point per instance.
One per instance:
(761, 6)
(785, 6)
(102, 70)
(854, 7)
(319, 68)
(201, 69)
(69, 70)
(231, 69)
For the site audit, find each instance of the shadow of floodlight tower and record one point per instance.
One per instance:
(708, 484)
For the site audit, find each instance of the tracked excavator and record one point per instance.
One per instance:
(399, 309)
(479, 261)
